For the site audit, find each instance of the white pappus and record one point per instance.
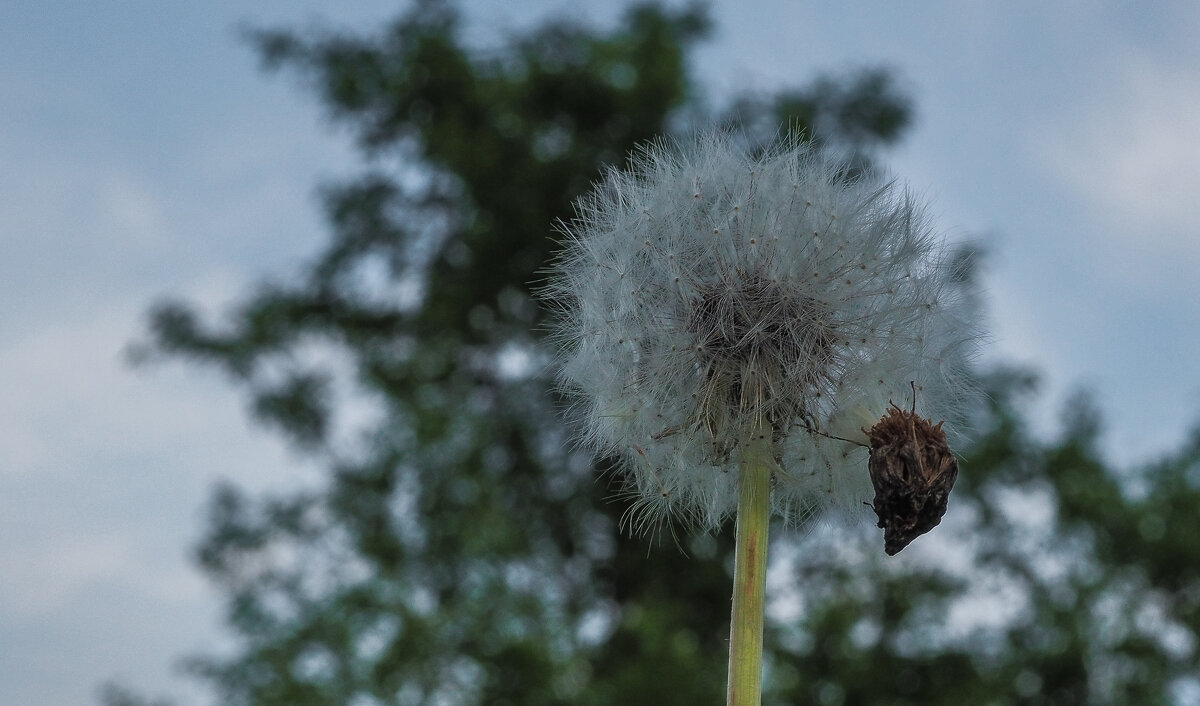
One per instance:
(711, 291)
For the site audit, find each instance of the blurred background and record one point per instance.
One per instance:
(274, 426)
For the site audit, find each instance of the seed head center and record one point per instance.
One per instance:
(762, 347)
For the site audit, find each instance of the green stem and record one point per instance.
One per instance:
(750, 575)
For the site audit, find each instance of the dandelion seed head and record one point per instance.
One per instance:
(709, 292)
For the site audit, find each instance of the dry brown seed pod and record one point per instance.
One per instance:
(913, 470)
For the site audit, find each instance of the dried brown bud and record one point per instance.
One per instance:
(913, 470)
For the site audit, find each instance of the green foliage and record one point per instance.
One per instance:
(458, 552)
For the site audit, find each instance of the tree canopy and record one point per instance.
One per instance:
(459, 551)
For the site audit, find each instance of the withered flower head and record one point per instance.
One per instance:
(913, 470)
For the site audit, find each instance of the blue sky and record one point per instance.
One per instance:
(142, 153)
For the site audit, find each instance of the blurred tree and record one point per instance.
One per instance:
(459, 553)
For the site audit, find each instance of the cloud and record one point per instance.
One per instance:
(1133, 157)
(44, 574)
(102, 468)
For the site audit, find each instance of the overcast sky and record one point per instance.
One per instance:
(142, 153)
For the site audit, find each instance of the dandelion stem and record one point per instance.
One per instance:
(750, 574)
